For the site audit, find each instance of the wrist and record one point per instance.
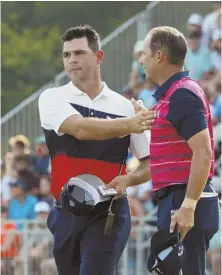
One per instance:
(189, 203)
(129, 181)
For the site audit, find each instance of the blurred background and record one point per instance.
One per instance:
(32, 61)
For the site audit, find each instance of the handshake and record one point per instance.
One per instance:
(143, 119)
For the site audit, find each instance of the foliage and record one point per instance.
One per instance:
(31, 31)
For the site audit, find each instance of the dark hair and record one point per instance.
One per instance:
(171, 41)
(83, 31)
(20, 144)
(194, 34)
(24, 158)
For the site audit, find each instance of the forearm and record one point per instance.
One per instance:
(102, 129)
(141, 174)
(199, 171)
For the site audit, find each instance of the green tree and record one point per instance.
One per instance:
(31, 31)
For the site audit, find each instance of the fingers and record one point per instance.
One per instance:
(182, 234)
(112, 184)
(136, 105)
(173, 223)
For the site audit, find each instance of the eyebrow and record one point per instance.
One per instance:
(76, 52)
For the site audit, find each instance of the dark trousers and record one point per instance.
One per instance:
(196, 241)
(80, 246)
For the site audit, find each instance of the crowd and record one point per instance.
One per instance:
(25, 174)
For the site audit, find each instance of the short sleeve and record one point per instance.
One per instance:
(186, 112)
(140, 144)
(54, 109)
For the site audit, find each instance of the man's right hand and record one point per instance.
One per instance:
(142, 121)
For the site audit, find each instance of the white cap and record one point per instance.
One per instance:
(195, 19)
(138, 46)
(216, 34)
(42, 206)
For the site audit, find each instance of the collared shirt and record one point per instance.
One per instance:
(20, 211)
(72, 157)
(57, 104)
(186, 110)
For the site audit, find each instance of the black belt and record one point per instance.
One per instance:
(163, 192)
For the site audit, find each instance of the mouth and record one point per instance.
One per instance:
(75, 69)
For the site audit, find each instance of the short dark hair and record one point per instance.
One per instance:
(20, 144)
(194, 34)
(83, 31)
(171, 41)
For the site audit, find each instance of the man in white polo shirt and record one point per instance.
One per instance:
(87, 128)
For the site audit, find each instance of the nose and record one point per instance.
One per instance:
(141, 59)
(73, 58)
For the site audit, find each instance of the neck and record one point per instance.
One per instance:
(168, 73)
(91, 87)
(21, 198)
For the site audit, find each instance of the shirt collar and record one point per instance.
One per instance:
(105, 90)
(161, 90)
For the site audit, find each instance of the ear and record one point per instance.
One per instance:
(99, 57)
(159, 57)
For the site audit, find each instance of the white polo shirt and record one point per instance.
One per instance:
(57, 104)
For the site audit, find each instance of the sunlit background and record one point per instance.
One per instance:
(31, 62)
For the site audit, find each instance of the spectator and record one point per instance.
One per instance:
(21, 206)
(216, 54)
(210, 23)
(5, 187)
(214, 253)
(19, 147)
(48, 267)
(31, 180)
(39, 244)
(127, 92)
(194, 22)
(146, 94)
(217, 106)
(45, 194)
(137, 68)
(198, 60)
(43, 158)
(10, 242)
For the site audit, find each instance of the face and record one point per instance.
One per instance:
(152, 63)
(44, 186)
(217, 45)
(18, 151)
(194, 27)
(193, 43)
(16, 191)
(44, 149)
(80, 62)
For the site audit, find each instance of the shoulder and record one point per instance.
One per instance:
(30, 199)
(184, 94)
(186, 101)
(122, 105)
(52, 94)
(205, 50)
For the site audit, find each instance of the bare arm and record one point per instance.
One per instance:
(141, 174)
(200, 145)
(102, 129)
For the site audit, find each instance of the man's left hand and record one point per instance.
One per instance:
(120, 183)
(184, 219)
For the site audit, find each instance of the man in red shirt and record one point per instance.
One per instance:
(181, 150)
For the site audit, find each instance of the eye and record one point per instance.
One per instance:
(66, 55)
